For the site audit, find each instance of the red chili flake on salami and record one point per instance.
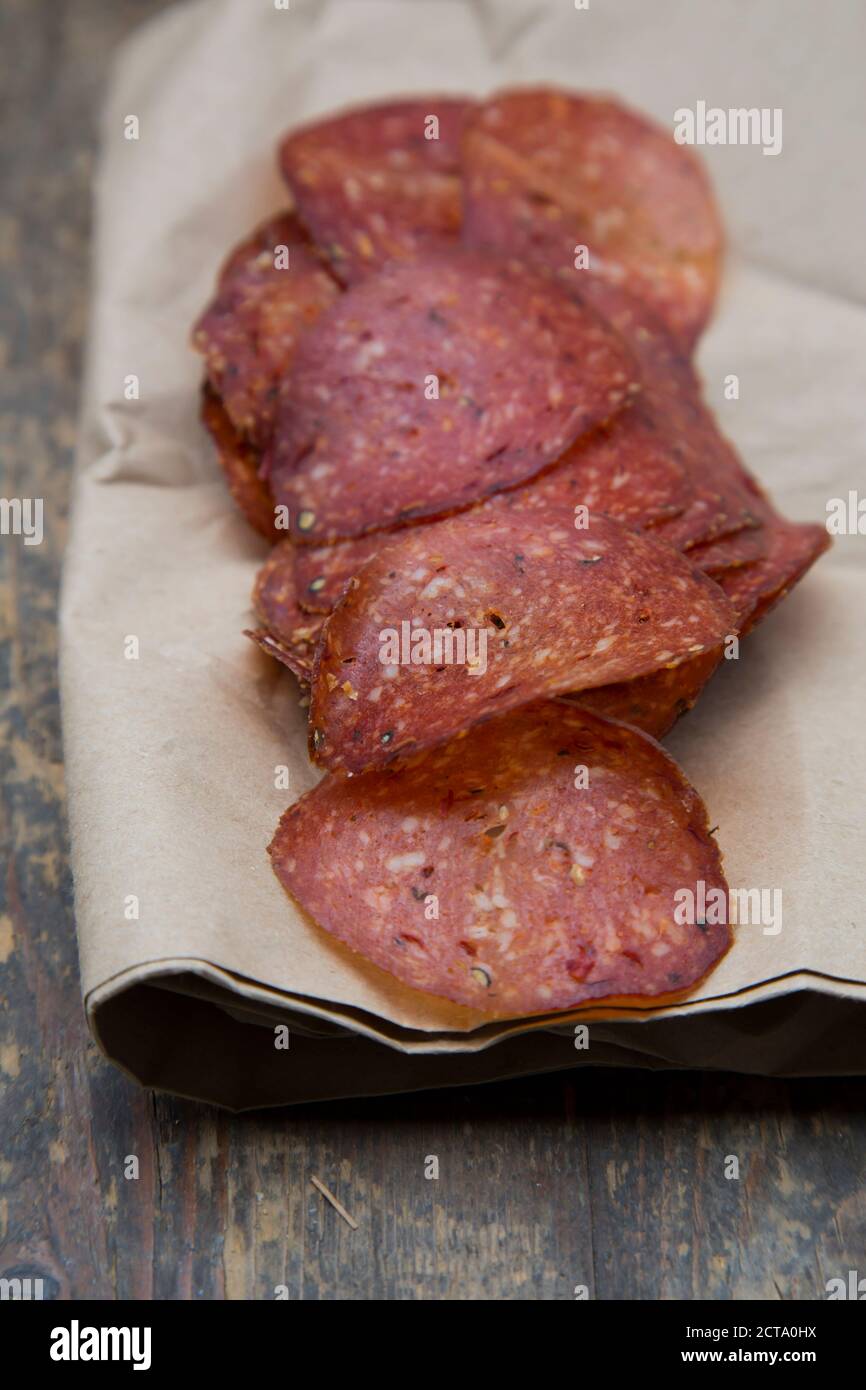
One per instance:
(373, 186)
(755, 589)
(240, 464)
(483, 613)
(549, 859)
(434, 385)
(286, 632)
(547, 172)
(272, 287)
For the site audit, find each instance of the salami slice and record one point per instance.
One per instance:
(273, 286)
(372, 184)
(547, 172)
(715, 510)
(724, 499)
(655, 702)
(298, 657)
(286, 632)
(664, 363)
(755, 589)
(652, 703)
(744, 548)
(548, 860)
(323, 571)
(453, 624)
(628, 471)
(239, 462)
(434, 385)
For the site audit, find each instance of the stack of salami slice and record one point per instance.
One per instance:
(453, 388)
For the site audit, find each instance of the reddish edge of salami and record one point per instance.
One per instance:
(655, 702)
(715, 511)
(292, 633)
(725, 499)
(249, 332)
(453, 624)
(543, 862)
(547, 172)
(744, 548)
(296, 657)
(433, 385)
(239, 462)
(373, 187)
(755, 589)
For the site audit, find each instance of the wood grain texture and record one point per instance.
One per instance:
(614, 1180)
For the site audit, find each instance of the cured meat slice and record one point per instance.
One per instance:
(265, 299)
(239, 462)
(724, 497)
(754, 589)
(547, 172)
(629, 472)
(373, 187)
(481, 614)
(638, 469)
(545, 861)
(298, 657)
(655, 702)
(323, 571)
(434, 385)
(715, 510)
(286, 631)
(744, 548)
(664, 363)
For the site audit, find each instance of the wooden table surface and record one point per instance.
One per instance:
(612, 1179)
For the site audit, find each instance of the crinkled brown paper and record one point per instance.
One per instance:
(171, 756)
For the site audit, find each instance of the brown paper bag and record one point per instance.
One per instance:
(191, 954)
